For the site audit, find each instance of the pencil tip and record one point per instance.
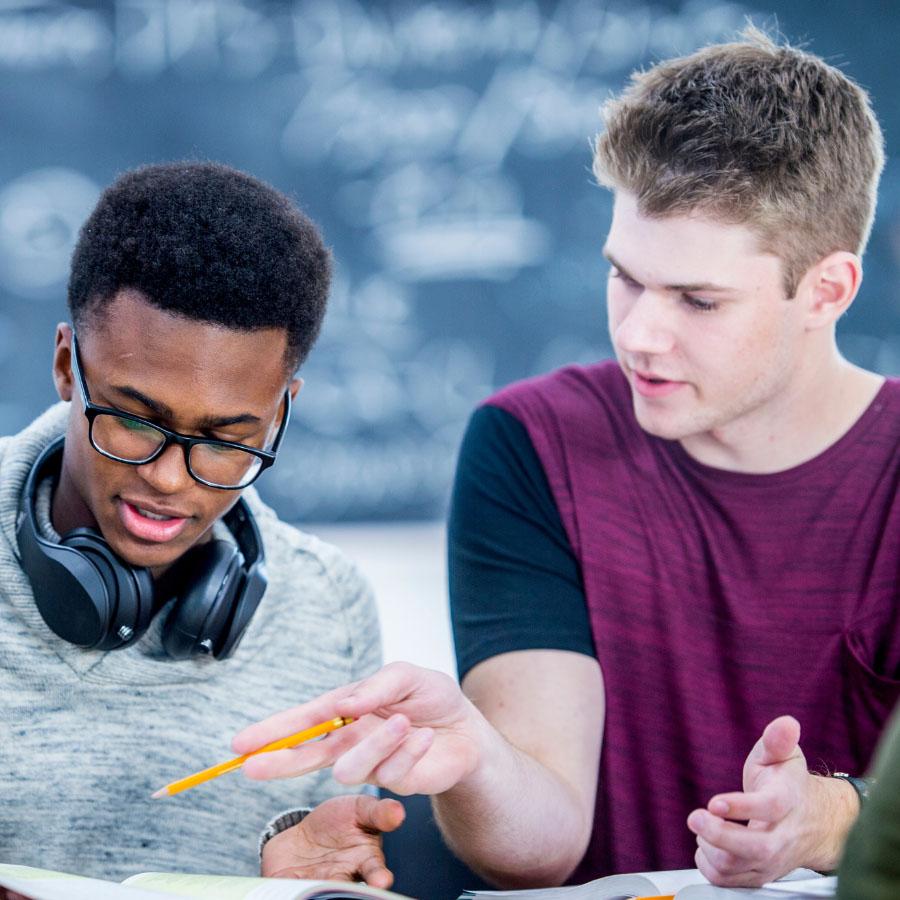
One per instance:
(162, 792)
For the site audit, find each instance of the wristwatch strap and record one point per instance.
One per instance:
(860, 785)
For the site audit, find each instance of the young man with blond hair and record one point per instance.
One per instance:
(662, 562)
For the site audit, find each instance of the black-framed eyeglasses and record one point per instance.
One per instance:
(133, 440)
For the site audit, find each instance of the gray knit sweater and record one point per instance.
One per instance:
(87, 736)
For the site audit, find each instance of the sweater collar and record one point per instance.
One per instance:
(145, 662)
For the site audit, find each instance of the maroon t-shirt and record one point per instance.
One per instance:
(718, 601)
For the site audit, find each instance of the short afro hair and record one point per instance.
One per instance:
(204, 241)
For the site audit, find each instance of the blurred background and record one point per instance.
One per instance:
(444, 149)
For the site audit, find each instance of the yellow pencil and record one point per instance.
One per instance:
(176, 787)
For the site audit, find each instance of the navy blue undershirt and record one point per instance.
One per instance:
(515, 583)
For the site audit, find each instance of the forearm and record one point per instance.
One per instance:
(514, 820)
(836, 809)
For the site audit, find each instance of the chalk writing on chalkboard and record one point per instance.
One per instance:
(444, 148)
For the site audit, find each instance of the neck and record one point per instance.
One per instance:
(818, 407)
(67, 509)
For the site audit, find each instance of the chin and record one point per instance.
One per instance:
(666, 427)
(146, 555)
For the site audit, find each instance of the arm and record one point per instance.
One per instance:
(784, 818)
(518, 805)
(519, 756)
(340, 837)
(525, 652)
(524, 816)
(870, 868)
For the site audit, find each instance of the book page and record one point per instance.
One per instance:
(685, 884)
(818, 886)
(613, 887)
(42, 884)
(233, 887)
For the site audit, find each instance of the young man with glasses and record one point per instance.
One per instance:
(149, 602)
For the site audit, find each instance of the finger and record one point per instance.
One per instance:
(712, 873)
(742, 806)
(358, 763)
(747, 846)
(402, 761)
(309, 757)
(706, 867)
(388, 687)
(290, 721)
(375, 873)
(779, 742)
(725, 863)
(377, 816)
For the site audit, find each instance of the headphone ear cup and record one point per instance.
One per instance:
(129, 590)
(253, 586)
(210, 576)
(71, 592)
(83, 591)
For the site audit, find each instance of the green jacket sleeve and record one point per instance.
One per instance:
(870, 869)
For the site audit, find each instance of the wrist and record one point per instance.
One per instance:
(489, 746)
(860, 785)
(833, 812)
(277, 825)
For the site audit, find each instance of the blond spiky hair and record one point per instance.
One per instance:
(752, 133)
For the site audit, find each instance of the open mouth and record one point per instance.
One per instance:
(150, 525)
(653, 386)
(152, 515)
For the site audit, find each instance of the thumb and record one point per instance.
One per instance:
(779, 742)
(375, 815)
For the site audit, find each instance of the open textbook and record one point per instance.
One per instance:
(683, 884)
(42, 884)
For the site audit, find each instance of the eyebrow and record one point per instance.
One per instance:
(704, 286)
(210, 422)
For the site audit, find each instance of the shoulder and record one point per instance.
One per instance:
(574, 410)
(23, 448)
(880, 422)
(301, 558)
(316, 597)
(888, 399)
(18, 453)
(572, 388)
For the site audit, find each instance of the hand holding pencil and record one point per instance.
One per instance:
(292, 740)
(339, 840)
(414, 732)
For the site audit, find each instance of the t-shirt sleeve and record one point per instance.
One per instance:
(515, 583)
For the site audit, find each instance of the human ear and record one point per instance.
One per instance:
(830, 286)
(62, 362)
(294, 387)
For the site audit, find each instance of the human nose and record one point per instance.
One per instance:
(643, 326)
(168, 472)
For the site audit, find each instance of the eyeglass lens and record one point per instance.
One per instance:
(137, 442)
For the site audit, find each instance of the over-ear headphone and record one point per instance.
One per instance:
(91, 597)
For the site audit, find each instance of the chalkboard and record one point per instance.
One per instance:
(444, 148)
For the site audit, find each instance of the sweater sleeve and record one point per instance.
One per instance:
(357, 607)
